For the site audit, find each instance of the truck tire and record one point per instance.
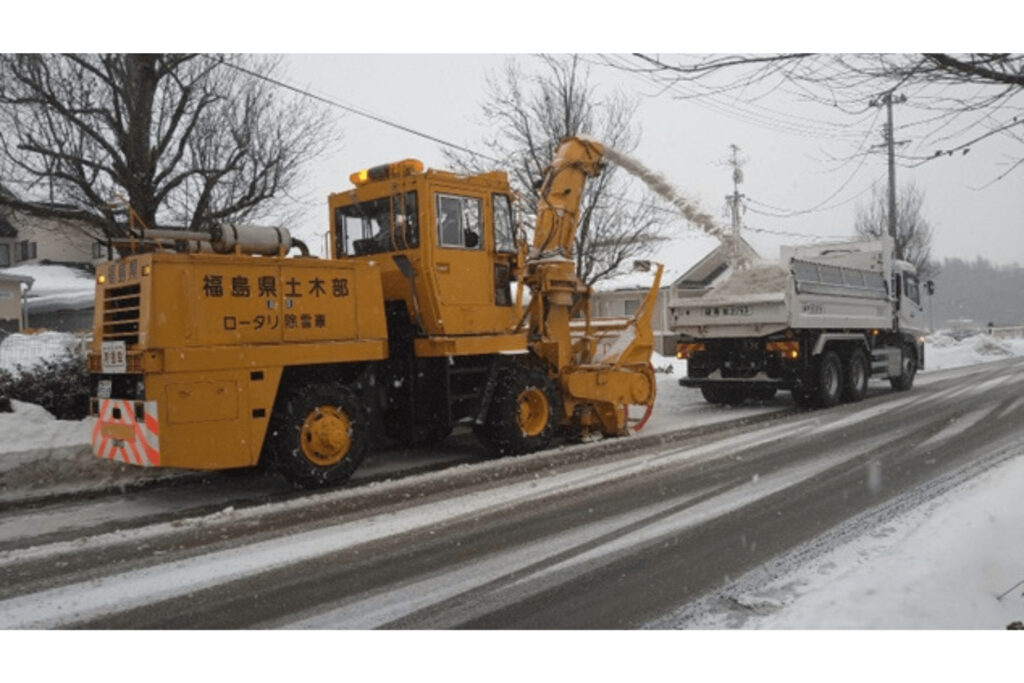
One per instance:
(908, 368)
(855, 376)
(830, 380)
(523, 413)
(318, 435)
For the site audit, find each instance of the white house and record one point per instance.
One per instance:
(59, 256)
(622, 295)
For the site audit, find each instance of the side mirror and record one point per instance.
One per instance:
(929, 287)
(642, 266)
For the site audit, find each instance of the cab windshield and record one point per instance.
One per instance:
(377, 225)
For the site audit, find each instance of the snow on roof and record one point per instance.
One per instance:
(8, 277)
(678, 255)
(56, 288)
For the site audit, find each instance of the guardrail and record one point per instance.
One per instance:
(1005, 332)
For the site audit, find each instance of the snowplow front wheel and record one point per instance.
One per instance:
(523, 413)
(318, 435)
(534, 411)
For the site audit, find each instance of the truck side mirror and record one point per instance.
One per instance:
(930, 287)
(642, 266)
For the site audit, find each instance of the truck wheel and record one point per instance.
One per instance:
(855, 377)
(908, 368)
(830, 380)
(318, 435)
(523, 413)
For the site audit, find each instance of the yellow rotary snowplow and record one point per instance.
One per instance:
(217, 350)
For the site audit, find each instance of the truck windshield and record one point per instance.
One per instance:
(378, 225)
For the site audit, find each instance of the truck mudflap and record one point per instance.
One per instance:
(127, 431)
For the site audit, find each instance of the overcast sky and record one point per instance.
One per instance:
(791, 151)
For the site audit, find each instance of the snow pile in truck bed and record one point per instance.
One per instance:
(758, 277)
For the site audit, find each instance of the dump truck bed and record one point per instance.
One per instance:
(766, 298)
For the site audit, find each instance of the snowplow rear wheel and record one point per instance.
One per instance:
(318, 436)
(523, 413)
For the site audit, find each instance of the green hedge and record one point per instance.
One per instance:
(60, 385)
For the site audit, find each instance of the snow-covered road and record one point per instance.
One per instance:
(760, 516)
(614, 534)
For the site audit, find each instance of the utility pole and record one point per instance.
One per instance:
(733, 201)
(888, 100)
(735, 197)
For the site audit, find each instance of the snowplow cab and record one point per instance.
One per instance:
(446, 247)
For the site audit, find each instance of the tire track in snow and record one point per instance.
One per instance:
(86, 600)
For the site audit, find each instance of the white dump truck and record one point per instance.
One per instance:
(818, 323)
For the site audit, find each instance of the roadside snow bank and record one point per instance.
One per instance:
(943, 351)
(39, 453)
(31, 427)
(957, 562)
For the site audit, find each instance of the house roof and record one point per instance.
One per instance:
(10, 277)
(709, 268)
(678, 255)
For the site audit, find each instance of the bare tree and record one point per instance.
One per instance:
(913, 232)
(960, 99)
(186, 140)
(532, 114)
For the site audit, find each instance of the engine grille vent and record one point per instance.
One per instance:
(121, 311)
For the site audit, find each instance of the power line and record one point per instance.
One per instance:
(787, 213)
(351, 109)
(732, 108)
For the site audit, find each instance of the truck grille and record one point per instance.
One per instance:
(121, 311)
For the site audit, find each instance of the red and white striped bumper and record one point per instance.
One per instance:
(122, 435)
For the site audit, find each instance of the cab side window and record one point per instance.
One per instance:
(910, 288)
(459, 222)
(504, 230)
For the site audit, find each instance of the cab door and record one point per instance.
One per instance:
(462, 262)
(911, 311)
